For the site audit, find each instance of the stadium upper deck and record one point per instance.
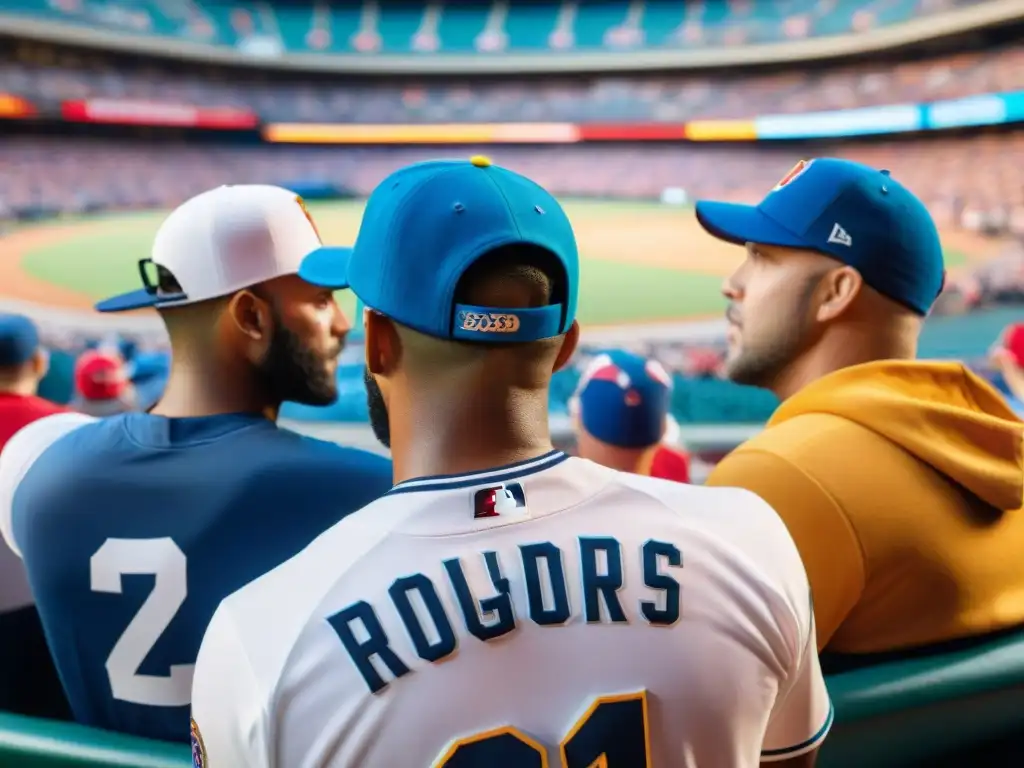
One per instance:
(44, 73)
(471, 26)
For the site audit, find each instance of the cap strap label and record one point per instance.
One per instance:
(506, 325)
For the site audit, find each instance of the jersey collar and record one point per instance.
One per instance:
(496, 475)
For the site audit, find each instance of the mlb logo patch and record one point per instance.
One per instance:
(503, 499)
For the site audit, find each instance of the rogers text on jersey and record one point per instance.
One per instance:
(527, 583)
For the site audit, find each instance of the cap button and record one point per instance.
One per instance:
(480, 161)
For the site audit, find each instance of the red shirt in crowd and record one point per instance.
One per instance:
(17, 411)
(670, 464)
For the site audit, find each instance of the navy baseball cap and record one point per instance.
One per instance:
(856, 214)
(623, 399)
(427, 223)
(19, 340)
(230, 238)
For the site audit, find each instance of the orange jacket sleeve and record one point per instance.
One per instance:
(827, 542)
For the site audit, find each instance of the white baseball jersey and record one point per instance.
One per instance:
(553, 612)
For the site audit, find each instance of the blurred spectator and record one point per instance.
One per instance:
(1008, 359)
(102, 386)
(28, 679)
(23, 363)
(620, 416)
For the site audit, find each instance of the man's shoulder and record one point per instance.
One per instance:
(693, 501)
(275, 609)
(303, 448)
(329, 556)
(807, 438)
(33, 451)
(29, 444)
(734, 517)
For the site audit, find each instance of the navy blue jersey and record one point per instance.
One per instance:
(135, 527)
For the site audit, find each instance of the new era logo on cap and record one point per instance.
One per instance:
(840, 236)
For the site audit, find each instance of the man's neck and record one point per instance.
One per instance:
(188, 396)
(19, 388)
(473, 440)
(826, 359)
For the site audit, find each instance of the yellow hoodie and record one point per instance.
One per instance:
(901, 483)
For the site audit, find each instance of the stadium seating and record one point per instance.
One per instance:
(474, 26)
(980, 173)
(889, 716)
(916, 711)
(46, 75)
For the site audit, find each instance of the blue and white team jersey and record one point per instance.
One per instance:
(134, 528)
(553, 612)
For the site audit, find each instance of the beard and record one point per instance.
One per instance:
(760, 361)
(379, 421)
(760, 365)
(294, 372)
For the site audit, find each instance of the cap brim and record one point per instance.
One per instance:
(327, 267)
(132, 300)
(736, 223)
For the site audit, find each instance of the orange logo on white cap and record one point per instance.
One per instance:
(309, 216)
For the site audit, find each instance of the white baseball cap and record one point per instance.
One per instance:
(230, 238)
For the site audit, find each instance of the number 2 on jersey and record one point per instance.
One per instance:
(612, 733)
(162, 559)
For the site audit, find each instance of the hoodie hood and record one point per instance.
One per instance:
(941, 413)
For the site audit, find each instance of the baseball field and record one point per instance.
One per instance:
(643, 262)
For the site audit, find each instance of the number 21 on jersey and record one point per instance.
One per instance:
(612, 733)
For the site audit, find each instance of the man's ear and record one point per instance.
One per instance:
(569, 344)
(382, 345)
(251, 315)
(839, 289)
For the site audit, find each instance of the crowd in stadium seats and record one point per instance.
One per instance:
(47, 75)
(485, 27)
(975, 182)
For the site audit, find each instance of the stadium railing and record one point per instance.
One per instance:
(33, 743)
(908, 712)
(917, 711)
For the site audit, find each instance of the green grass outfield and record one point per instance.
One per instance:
(102, 261)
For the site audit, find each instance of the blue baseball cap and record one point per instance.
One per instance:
(230, 238)
(623, 399)
(19, 340)
(856, 214)
(427, 223)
